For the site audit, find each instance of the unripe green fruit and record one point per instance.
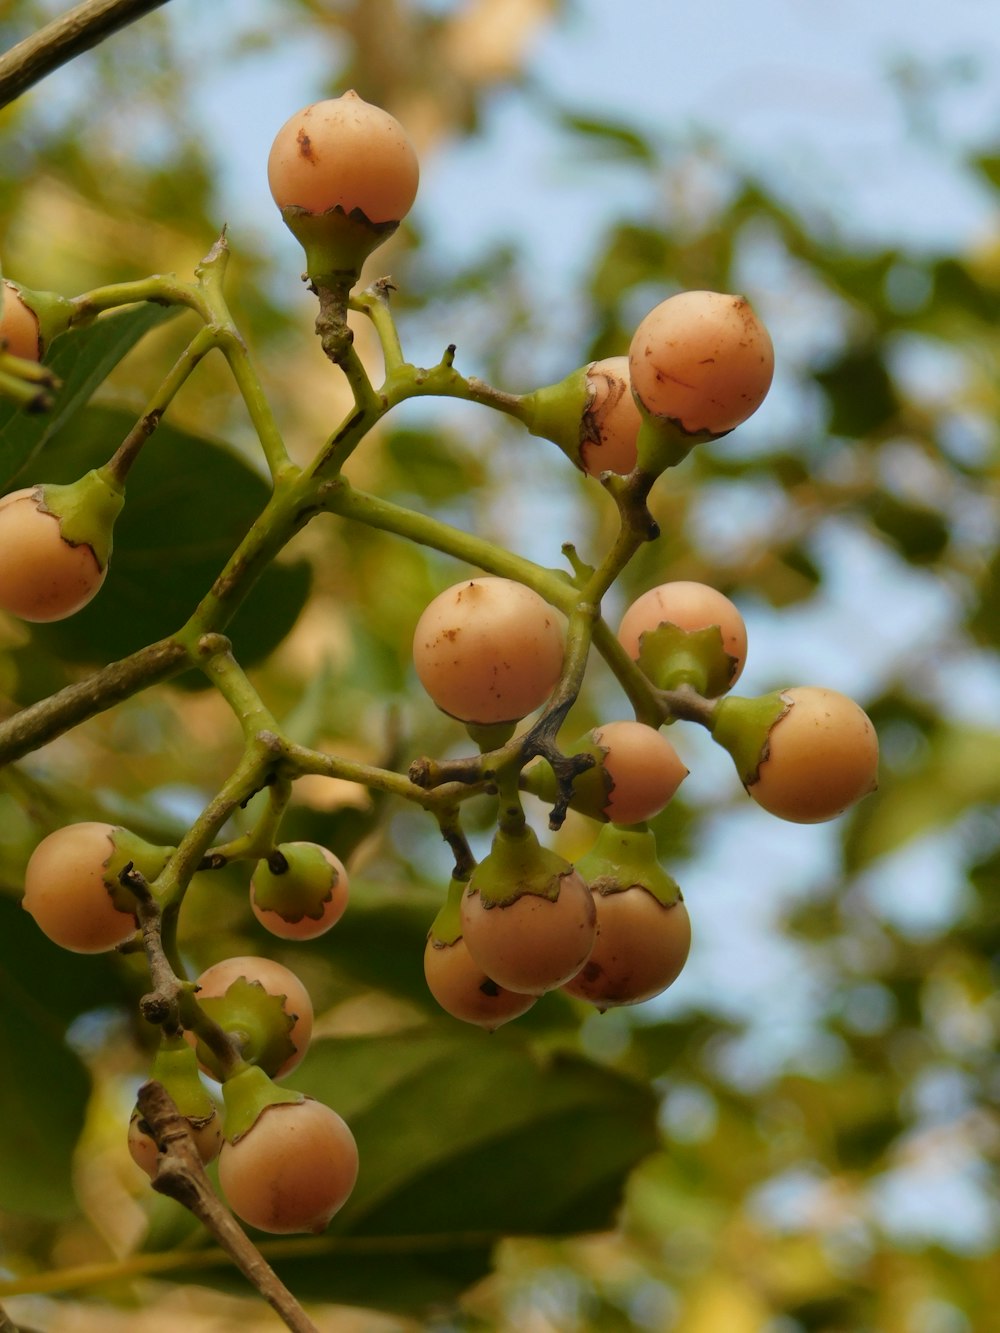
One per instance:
(261, 1004)
(805, 754)
(704, 644)
(702, 360)
(488, 650)
(301, 892)
(292, 1169)
(72, 889)
(528, 918)
(19, 331)
(344, 173)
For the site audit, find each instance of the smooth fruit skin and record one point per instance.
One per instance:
(19, 333)
(43, 577)
(533, 944)
(346, 153)
(292, 1170)
(641, 949)
(488, 650)
(613, 418)
(644, 768)
(821, 757)
(275, 980)
(463, 989)
(64, 890)
(689, 606)
(702, 359)
(307, 927)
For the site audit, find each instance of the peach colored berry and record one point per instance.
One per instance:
(702, 359)
(346, 153)
(488, 650)
(43, 577)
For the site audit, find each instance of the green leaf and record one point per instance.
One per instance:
(81, 360)
(960, 769)
(463, 1137)
(988, 166)
(44, 1087)
(859, 391)
(612, 138)
(919, 533)
(171, 540)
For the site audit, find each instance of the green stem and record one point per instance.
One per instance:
(199, 346)
(258, 407)
(161, 289)
(185, 1260)
(340, 497)
(211, 274)
(262, 838)
(229, 678)
(288, 509)
(374, 302)
(302, 760)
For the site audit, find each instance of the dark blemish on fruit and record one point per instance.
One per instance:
(305, 146)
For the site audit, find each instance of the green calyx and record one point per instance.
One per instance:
(336, 243)
(257, 1020)
(517, 864)
(246, 1095)
(625, 858)
(446, 928)
(86, 510)
(561, 413)
(670, 657)
(591, 789)
(295, 882)
(490, 735)
(663, 443)
(53, 312)
(176, 1067)
(128, 848)
(743, 727)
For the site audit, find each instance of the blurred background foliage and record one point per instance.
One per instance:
(803, 1134)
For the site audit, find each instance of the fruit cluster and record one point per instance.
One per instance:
(490, 651)
(526, 922)
(286, 1162)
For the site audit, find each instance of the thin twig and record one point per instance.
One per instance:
(44, 721)
(83, 27)
(181, 1176)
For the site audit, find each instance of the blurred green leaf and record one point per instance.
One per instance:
(81, 360)
(959, 769)
(44, 1086)
(172, 539)
(859, 391)
(463, 1137)
(920, 534)
(611, 138)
